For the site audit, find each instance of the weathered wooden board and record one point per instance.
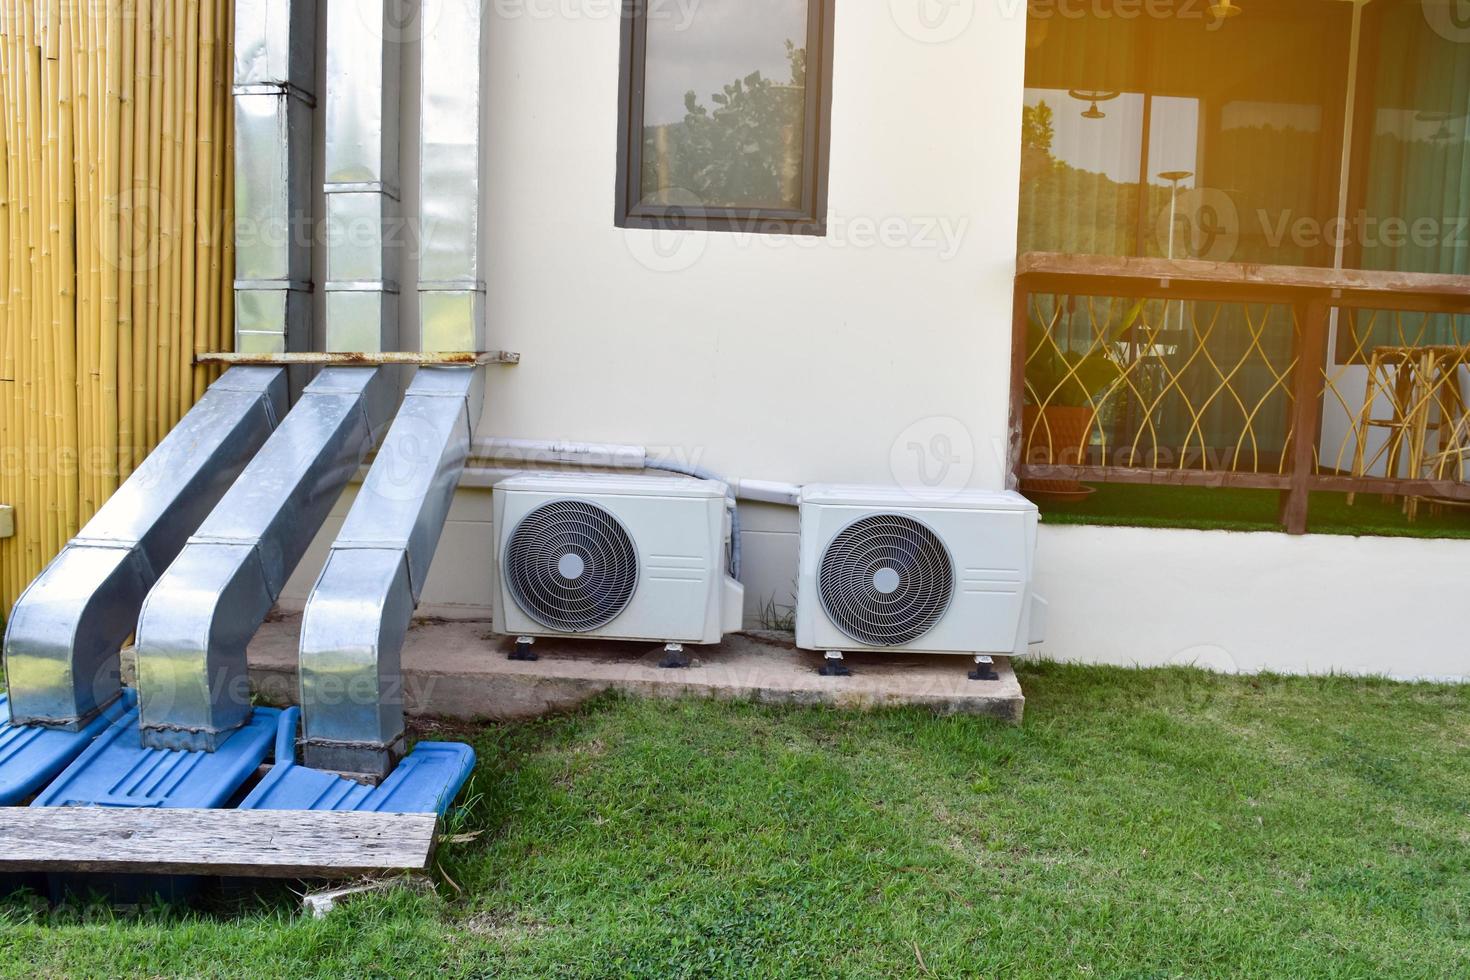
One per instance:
(1106, 275)
(245, 843)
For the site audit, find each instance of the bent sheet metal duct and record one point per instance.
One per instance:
(197, 621)
(65, 632)
(357, 616)
(199, 618)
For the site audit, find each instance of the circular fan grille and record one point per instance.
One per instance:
(571, 566)
(886, 580)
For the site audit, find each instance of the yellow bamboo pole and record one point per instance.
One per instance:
(226, 336)
(143, 136)
(111, 21)
(183, 393)
(9, 82)
(65, 286)
(37, 446)
(205, 194)
(8, 570)
(154, 230)
(168, 231)
(96, 74)
(86, 304)
(120, 456)
(10, 77)
(42, 324)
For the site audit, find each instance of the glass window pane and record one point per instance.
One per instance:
(725, 105)
(1415, 213)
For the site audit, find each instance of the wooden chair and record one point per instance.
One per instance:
(1423, 385)
(1452, 462)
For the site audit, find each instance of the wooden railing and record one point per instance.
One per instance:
(1192, 373)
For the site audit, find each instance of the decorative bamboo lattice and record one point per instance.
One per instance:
(1202, 386)
(116, 257)
(1195, 373)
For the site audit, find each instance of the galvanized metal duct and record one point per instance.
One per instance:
(363, 62)
(359, 611)
(275, 71)
(358, 614)
(199, 618)
(451, 292)
(62, 642)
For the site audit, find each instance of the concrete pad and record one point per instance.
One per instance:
(460, 670)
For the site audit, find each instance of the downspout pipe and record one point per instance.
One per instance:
(66, 631)
(358, 613)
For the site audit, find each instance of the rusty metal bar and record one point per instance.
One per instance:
(365, 358)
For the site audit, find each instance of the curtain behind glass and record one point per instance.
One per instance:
(1416, 206)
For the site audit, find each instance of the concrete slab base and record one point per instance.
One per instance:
(461, 670)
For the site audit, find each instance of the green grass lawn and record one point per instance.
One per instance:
(1158, 823)
(1249, 510)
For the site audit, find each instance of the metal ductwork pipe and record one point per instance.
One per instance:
(358, 614)
(65, 632)
(200, 617)
(275, 73)
(363, 64)
(197, 621)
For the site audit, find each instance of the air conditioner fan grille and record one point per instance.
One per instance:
(571, 566)
(886, 580)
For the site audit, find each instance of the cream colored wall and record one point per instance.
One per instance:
(764, 357)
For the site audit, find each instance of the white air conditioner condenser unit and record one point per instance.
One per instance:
(615, 557)
(889, 569)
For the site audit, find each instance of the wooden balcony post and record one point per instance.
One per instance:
(1015, 432)
(1308, 384)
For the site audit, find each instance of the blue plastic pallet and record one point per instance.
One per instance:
(427, 781)
(116, 770)
(32, 755)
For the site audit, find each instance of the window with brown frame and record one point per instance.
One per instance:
(723, 117)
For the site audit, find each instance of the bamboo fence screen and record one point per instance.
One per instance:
(116, 251)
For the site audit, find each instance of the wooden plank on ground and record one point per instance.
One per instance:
(244, 843)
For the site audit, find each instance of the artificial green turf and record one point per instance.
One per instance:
(1157, 823)
(1249, 510)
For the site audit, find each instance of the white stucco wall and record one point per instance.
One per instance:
(778, 358)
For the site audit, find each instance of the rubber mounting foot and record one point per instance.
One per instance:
(524, 653)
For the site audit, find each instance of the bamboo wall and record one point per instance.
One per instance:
(116, 259)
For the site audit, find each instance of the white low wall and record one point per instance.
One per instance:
(1257, 602)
